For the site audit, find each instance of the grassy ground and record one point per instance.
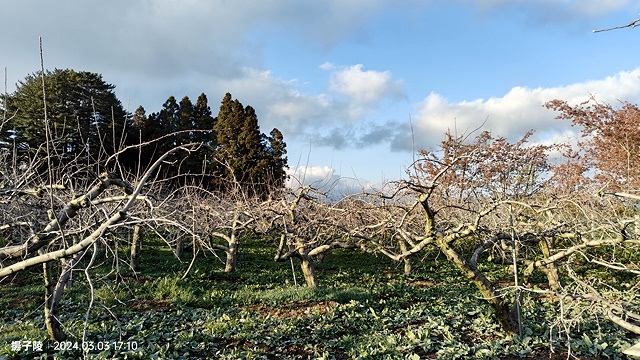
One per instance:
(364, 309)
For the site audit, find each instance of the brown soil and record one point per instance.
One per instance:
(146, 305)
(292, 310)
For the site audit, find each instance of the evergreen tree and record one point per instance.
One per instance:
(142, 131)
(165, 124)
(227, 126)
(168, 123)
(6, 138)
(252, 164)
(243, 154)
(141, 125)
(185, 121)
(204, 122)
(175, 124)
(83, 114)
(277, 161)
(234, 150)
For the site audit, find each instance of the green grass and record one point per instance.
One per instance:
(365, 308)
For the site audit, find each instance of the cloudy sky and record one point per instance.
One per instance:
(344, 80)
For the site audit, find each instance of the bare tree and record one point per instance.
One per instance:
(386, 222)
(307, 224)
(491, 200)
(220, 216)
(61, 220)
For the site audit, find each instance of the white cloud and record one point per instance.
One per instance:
(599, 7)
(519, 110)
(364, 88)
(168, 40)
(325, 180)
(351, 94)
(153, 49)
(578, 13)
(300, 113)
(334, 118)
(587, 7)
(322, 118)
(316, 176)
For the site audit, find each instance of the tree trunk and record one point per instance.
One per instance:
(232, 254)
(54, 328)
(63, 265)
(407, 266)
(308, 269)
(232, 240)
(68, 276)
(136, 245)
(54, 294)
(406, 260)
(179, 247)
(501, 308)
(550, 270)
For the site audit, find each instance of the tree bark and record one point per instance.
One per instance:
(406, 260)
(232, 254)
(54, 294)
(179, 247)
(136, 245)
(407, 266)
(54, 328)
(501, 308)
(551, 270)
(308, 270)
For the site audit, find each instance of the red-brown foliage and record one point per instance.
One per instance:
(610, 140)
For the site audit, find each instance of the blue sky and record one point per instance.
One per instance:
(342, 79)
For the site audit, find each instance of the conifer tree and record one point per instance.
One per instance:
(203, 121)
(234, 150)
(140, 121)
(227, 128)
(167, 122)
(185, 122)
(252, 164)
(277, 160)
(244, 155)
(195, 124)
(83, 114)
(142, 132)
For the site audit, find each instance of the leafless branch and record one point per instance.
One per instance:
(632, 24)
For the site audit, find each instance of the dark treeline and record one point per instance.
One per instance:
(88, 125)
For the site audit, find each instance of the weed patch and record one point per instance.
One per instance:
(367, 309)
